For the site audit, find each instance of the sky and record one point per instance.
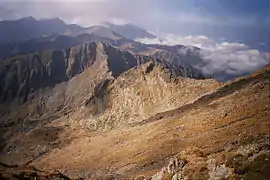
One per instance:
(147, 13)
(235, 34)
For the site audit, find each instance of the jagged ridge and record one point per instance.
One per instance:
(24, 74)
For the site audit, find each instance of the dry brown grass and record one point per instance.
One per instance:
(208, 134)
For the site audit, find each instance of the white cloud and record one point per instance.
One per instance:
(118, 21)
(170, 39)
(222, 60)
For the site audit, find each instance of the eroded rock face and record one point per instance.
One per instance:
(23, 74)
(111, 87)
(139, 93)
(182, 64)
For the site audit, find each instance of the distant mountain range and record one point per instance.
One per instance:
(129, 31)
(31, 28)
(29, 35)
(19, 38)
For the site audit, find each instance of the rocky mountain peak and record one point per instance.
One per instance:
(23, 74)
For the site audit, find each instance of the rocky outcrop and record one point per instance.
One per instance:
(139, 93)
(183, 60)
(235, 162)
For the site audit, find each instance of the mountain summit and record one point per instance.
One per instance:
(129, 31)
(29, 28)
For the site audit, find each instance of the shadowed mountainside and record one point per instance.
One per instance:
(23, 74)
(28, 28)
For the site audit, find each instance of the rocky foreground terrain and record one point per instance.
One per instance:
(94, 111)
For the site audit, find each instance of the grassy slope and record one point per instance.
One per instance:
(230, 127)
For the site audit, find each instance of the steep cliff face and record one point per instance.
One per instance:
(23, 74)
(97, 84)
(188, 58)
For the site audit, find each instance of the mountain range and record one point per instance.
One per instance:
(17, 38)
(93, 103)
(31, 28)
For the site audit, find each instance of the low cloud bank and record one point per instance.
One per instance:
(220, 60)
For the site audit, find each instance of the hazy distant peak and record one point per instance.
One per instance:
(57, 21)
(103, 31)
(128, 30)
(29, 18)
(106, 24)
(25, 19)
